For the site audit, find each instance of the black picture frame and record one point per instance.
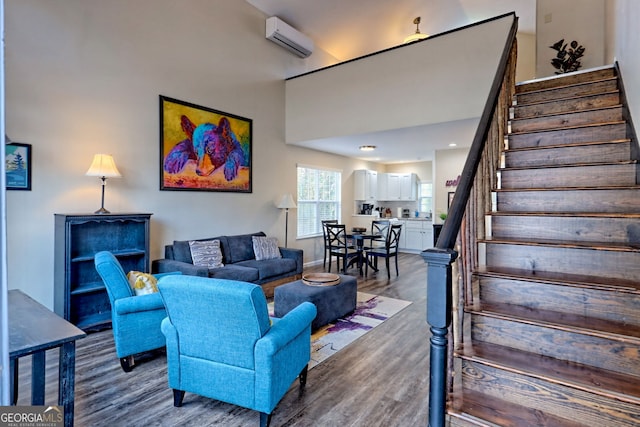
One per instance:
(18, 166)
(202, 149)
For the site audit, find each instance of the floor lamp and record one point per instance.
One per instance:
(286, 203)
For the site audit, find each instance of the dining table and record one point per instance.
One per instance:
(360, 259)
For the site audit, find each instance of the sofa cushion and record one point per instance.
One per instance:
(142, 283)
(239, 248)
(182, 250)
(206, 254)
(265, 248)
(235, 272)
(270, 267)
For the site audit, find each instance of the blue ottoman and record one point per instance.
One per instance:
(332, 302)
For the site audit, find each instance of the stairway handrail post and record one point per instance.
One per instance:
(439, 305)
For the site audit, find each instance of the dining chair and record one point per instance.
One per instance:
(339, 246)
(379, 227)
(326, 239)
(390, 250)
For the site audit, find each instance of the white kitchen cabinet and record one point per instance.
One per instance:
(393, 186)
(408, 186)
(418, 235)
(397, 186)
(383, 186)
(365, 185)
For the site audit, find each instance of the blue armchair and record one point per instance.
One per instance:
(135, 319)
(222, 345)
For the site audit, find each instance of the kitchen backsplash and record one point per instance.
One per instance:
(394, 206)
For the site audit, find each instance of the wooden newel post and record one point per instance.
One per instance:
(439, 318)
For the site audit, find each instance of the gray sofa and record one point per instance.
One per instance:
(239, 262)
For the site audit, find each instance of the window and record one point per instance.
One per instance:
(318, 198)
(426, 196)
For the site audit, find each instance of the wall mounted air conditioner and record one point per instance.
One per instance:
(288, 37)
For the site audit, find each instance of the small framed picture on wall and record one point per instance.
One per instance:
(18, 166)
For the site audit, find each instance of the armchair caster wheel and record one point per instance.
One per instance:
(127, 363)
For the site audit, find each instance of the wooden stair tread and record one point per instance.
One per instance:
(555, 278)
(520, 87)
(567, 322)
(568, 98)
(501, 412)
(569, 145)
(617, 122)
(604, 382)
(568, 214)
(610, 246)
(586, 188)
(574, 165)
(606, 71)
(563, 113)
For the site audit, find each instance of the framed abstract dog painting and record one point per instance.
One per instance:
(18, 166)
(202, 149)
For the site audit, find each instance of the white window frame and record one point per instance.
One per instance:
(425, 201)
(314, 205)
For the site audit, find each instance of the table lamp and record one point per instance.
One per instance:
(104, 167)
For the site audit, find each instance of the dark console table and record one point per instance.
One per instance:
(33, 329)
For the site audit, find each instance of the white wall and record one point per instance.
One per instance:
(448, 165)
(83, 77)
(627, 52)
(610, 31)
(424, 170)
(526, 61)
(579, 20)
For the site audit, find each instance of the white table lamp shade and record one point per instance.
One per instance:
(103, 165)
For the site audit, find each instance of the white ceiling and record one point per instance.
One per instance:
(350, 29)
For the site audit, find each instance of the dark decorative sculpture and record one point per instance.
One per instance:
(567, 60)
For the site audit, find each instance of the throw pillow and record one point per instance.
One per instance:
(206, 254)
(142, 283)
(265, 248)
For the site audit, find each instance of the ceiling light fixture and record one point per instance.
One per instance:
(417, 35)
(367, 147)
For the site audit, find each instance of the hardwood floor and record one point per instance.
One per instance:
(382, 379)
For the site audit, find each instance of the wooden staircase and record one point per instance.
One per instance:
(551, 324)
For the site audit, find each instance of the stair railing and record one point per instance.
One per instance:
(478, 175)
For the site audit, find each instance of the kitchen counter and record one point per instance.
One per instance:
(417, 234)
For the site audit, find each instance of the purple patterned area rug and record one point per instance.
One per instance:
(371, 311)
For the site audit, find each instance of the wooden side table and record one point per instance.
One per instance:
(33, 329)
